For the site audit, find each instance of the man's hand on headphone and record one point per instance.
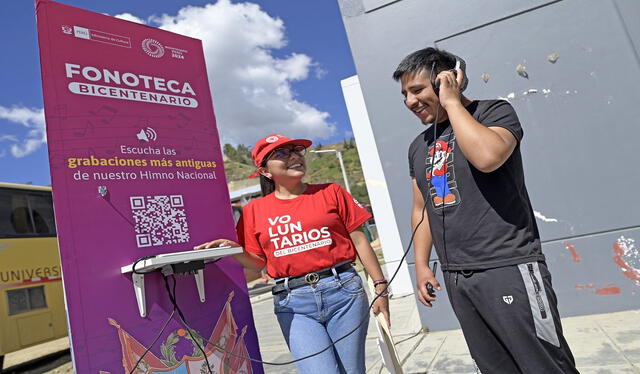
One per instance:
(450, 83)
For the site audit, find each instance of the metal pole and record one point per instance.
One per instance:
(344, 173)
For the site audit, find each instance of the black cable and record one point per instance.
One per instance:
(331, 345)
(171, 295)
(395, 273)
(182, 319)
(435, 139)
(181, 316)
(133, 268)
(166, 323)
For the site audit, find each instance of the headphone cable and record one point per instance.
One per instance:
(395, 273)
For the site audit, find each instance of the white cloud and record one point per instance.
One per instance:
(252, 89)
(295, 67)
(130, 17)
(30, 118)
(320, 72)
(12, 138)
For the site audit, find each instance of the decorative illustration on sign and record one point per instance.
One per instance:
(133, 148)
(105, 113)
(628, 258)
(159, 220)
(224, 335)
(147, 135)
(153, 48)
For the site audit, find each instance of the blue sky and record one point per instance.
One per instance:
(301, 42)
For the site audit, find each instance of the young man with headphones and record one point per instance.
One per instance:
(467, 174)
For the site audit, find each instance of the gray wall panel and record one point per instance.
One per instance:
(574, 147)
(587, 275)
(580, 144)
(629, 12)
(371, 5)
(440, 317)
(440, 18)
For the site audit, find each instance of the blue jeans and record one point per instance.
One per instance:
(312, 318)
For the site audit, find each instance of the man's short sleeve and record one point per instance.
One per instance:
(500, 113)
(352, 212)
(412, 172)
(246, 234)
(413, 148)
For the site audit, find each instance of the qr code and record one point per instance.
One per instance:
(159, 220)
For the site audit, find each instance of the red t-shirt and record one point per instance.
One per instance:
(302, 235)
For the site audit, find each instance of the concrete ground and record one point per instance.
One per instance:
(601, 343)
(28, 354)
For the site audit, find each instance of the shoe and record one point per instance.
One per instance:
(437, 201)
(450, 199)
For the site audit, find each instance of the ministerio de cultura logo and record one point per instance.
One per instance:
(153, 48)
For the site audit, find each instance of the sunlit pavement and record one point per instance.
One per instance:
(601, 343)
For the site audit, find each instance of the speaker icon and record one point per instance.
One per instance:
(147, 134)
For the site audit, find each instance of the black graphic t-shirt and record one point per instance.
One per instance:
(478, 220)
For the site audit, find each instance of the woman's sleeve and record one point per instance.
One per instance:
(246, 234)
(352, 212)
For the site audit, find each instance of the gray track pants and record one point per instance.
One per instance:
(509, 318)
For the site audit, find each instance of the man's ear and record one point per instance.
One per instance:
(263, 171)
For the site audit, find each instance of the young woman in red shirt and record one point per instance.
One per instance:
(307, 236)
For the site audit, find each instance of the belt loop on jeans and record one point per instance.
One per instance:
(286, 284)
(335, 274)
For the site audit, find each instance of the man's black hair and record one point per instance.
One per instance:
(423, 60)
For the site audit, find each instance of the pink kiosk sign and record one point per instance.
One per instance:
(137, 172)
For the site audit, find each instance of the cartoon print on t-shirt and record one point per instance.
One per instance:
(289, 238)
(443, 188)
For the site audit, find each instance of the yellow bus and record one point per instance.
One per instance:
(32, 307)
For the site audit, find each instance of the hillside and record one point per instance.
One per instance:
(321, 167)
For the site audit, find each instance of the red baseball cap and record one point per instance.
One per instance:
(266, 145)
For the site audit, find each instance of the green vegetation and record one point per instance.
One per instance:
(321, 167)
(237, 162)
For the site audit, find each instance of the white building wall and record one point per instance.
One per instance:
(377, 187)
